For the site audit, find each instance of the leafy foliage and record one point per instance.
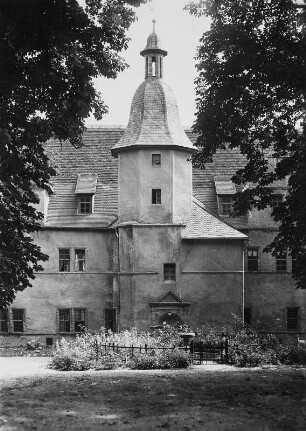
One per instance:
(251, 95)
(50, 53)
(109, 350)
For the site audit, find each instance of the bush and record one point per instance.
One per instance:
(160, 359)
(71, 356)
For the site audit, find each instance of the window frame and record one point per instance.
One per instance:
(169, 272)
(16, 321)
(77, 261)
(110, 316)
(281, 264)
(156, 197)
(85, 207)
(158, 157)
(275, 201)
(68, 311)
(251, 261)
(61, 260)
(295, 319)
(4, 321)
(79, 322)
(225, 205)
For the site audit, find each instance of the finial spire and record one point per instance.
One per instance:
(154, 22)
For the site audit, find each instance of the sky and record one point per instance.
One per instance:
(179, 33)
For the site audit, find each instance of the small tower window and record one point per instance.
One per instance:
(156, 160)
(156, 196)
(153, 66)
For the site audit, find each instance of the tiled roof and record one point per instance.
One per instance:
(86, 184)
(93, 158)
(154, 119)
(224, 165)
(203, 224)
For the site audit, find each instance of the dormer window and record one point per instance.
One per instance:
(85, 191)
(277, 200)
(85, 204)
(225, 191)
(226, 205)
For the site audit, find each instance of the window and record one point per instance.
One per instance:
(64, 260)
(226, 205)
(72, 320)
(252, 259)
(80, 260)
(276, 201)
(294, 261)
(247, 315)
(79, 323)
(292, 318)
(169, 272)
(85, 204)
(110, 319)
(156, 196)
(281, 262)
(64, 320)
(156, 160)
(4, 321)
(18, 316)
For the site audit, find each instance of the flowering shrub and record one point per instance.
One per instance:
(108, 350)
(71, 356)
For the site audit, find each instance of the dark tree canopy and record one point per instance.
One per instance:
(50, 52)
(250, 93)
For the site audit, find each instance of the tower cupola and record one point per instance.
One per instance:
(153, 55)
(155, 178)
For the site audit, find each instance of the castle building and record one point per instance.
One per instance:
(137, 238)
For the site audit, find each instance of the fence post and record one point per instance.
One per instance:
(97, 349)
(146, 348)
(132, 350)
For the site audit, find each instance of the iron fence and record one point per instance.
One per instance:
(200, 352)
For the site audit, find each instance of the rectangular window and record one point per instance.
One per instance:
(18, 316)
(169, 272)
(226, 205)
(276, 201)
(64, 260)
(80, 260)
(156, 160)
(110, 319)
(4, 321)
(252, 259)
(247, 315)
(156, 196)
(79, 320)
(292, 318)
(281, 262)
(85, 204)
(64, 320)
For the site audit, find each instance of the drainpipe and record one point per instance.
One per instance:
(118, 274)
(243, 281)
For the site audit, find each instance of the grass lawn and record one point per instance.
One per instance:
(201, 398)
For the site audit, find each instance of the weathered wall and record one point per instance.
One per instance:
(269, 292)
(137, 178)
(94, 289)
(213, 295)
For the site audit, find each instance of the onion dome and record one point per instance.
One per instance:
(154, 118)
